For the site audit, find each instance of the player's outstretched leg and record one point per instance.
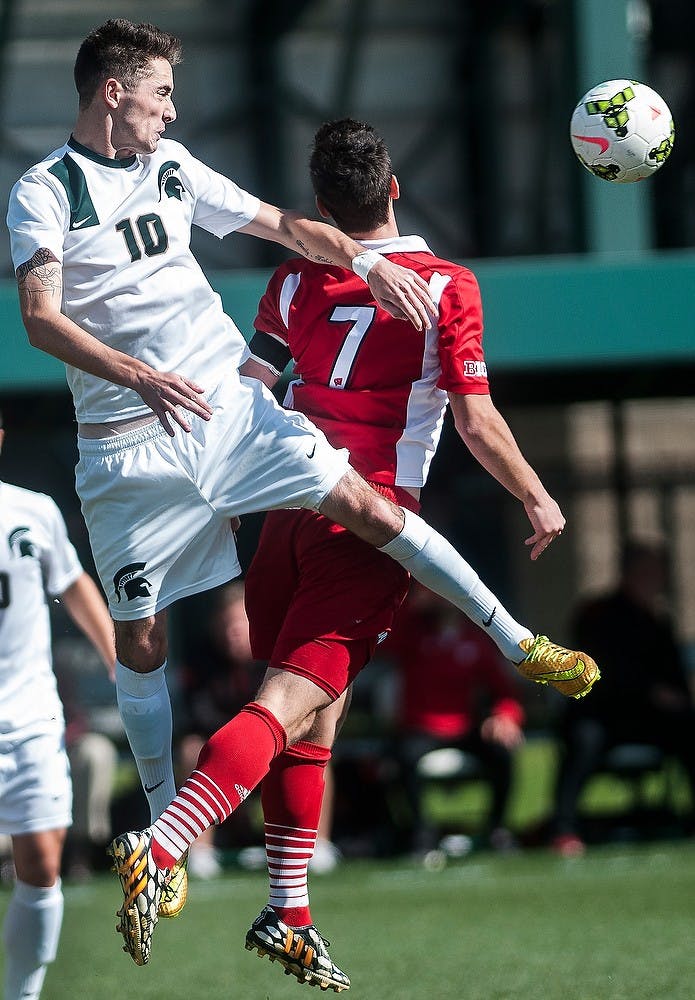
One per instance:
(570, 672)
(301, 950)
(142, 883)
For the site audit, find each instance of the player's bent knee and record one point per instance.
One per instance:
(141, 645)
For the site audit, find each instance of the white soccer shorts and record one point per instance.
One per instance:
(157, 508)
(35, 787)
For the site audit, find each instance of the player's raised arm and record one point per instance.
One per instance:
(398, 290)
(40, 287)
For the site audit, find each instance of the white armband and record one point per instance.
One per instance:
(364, 262)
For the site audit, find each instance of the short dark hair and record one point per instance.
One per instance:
(351, 172)
(123, 50)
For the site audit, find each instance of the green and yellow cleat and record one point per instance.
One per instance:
(570, 672)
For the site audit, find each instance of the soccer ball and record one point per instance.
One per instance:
(622, 131)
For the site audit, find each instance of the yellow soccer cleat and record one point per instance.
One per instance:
(175, 892)
(570, 672)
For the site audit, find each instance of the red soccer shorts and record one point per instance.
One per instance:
(318, 597)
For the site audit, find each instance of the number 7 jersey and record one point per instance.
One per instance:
(372, 383)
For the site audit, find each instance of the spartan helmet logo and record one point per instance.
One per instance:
(169, 182)
(20, 544)
(127, 579)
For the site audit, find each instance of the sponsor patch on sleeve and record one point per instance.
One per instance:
(475, 368)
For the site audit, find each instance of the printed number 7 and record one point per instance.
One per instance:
(361, 318)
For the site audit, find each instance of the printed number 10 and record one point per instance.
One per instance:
(153, 237)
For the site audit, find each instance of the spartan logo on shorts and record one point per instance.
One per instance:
(128, 580)
(19, 543)
(169, 182)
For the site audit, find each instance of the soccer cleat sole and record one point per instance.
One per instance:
(539, 679)
(129, 929)
(293, 968)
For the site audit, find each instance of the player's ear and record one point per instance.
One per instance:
(322, 210)
(112, 92)
(395, 188)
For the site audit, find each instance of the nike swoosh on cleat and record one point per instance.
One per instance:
(601, 142)
(488, 623)
(151, 788)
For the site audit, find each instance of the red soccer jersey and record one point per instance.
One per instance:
(372, 383)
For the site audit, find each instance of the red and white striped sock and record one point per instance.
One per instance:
(230, 765)
(291, 796)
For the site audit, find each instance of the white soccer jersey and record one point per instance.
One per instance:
(36, 560)
(113, 224)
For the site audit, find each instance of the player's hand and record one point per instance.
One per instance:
(502, 730)
(548, 521)
(402, 293)
(165, 392)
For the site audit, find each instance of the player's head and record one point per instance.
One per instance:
(352, 175)
(124, 51)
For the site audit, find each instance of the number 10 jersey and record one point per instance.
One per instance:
(121, 230)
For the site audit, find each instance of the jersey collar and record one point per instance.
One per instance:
(105, 161)
(397, 244)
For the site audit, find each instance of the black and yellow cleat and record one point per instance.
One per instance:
(301, 950)
(142, 883)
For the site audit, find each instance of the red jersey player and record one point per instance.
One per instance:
(318, 598)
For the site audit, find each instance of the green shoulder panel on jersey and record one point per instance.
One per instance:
(83, 215)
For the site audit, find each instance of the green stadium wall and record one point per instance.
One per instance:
(557, 313)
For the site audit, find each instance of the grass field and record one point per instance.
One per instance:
(618, 924)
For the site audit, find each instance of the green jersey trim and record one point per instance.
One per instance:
(105, 161)
(83, 214)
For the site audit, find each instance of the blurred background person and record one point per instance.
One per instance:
(644, 696)
(92, 733)
(219, 676)
(455, 691)
(36, 560)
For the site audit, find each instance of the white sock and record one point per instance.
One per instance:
(435, 563)
(30, 934)
(143, 701)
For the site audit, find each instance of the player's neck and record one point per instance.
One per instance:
(388, 231)
(95, 134)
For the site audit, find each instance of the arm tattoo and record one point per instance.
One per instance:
(37, 266)
(319, 258)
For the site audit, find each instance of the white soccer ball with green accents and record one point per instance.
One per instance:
(622, 131)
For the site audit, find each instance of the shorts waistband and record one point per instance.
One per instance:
(120, 442)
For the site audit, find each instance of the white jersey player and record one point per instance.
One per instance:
(107, 283)
(37, 561)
